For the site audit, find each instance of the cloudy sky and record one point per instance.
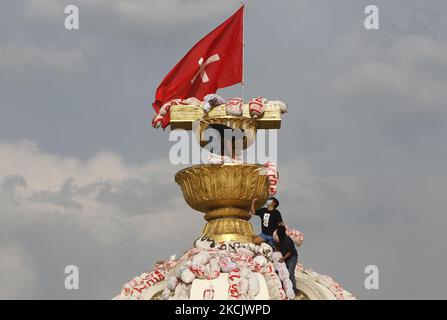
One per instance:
(85, 179)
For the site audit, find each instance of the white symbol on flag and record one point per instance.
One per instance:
(202, 66)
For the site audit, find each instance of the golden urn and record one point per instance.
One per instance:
(224, 193)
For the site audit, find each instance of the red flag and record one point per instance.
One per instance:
(214, 62)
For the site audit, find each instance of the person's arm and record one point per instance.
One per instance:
(280, 221)
(253, 209)
(286, 256)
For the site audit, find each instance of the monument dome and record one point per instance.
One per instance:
(224, 262)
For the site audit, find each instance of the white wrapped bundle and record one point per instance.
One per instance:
(253, 247)
(165, 108)
(256, 106)
(241, 259)
(265, 250)
(233, 279)
(271, 171)
(276, 265)
(242, 286)
(253, 285)
(244, 272)
(283, 273)
(163, 265)
(274, 285)
(187, 276)
(200, 271)
(180, 268)
(268, 268)
(157, 121)
(234, 276)
(276, 256)
(295, 235)
(290, 294)
(245, 251)
(226, 265)
(189, 253)
(233, 107)
(260, 261)
(276, 103)
(201, 258)
(253, 266)
(282, 294)
(212, 100)
(288, 288)
(172, 283)
(214, 268)
(181, 291)
(191, 101)
(273, 189)
(166, 294)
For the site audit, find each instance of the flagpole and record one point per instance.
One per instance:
(243, 56)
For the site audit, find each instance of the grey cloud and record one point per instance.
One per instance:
(9, 185)
(63, 197)
(26, 61)
(135, 196)
(361, 152)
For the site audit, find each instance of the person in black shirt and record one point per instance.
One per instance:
(289, 253)
(270, 220)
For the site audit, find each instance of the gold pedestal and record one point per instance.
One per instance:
(224, 192)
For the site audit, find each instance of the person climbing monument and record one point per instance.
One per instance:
(289, 253)
(270, 220)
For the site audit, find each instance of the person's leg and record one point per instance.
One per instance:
(260, 239)
(291, 264)
(270, 242)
